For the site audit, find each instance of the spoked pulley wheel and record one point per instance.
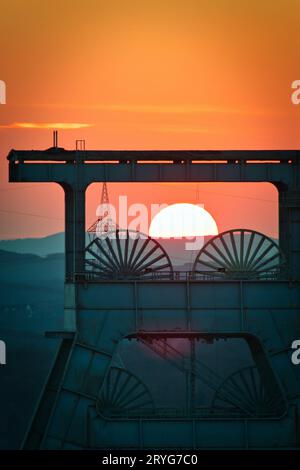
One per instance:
(240, 254)
(123, 394)
(126, 254)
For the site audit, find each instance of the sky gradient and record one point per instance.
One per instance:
(193, 74)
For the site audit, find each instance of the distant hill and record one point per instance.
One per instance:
(37, 246)
(45, 246)
(54, 245)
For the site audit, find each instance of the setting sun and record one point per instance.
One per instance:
(183, 220)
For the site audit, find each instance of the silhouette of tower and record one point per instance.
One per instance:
(104, 222)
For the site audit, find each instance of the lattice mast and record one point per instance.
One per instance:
(104, 223)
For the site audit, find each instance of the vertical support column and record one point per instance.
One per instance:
(74, 229)
(289, 229)
(79, 226)
(69, 232)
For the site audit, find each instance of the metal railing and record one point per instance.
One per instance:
(179, 276)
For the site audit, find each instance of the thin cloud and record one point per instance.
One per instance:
(46, 125)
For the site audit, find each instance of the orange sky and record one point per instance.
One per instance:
(147, 74)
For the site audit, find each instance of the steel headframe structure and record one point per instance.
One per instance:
(90, 402)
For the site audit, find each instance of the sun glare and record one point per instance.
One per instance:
(182, 220)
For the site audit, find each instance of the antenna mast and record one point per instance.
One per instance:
(104, 223)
